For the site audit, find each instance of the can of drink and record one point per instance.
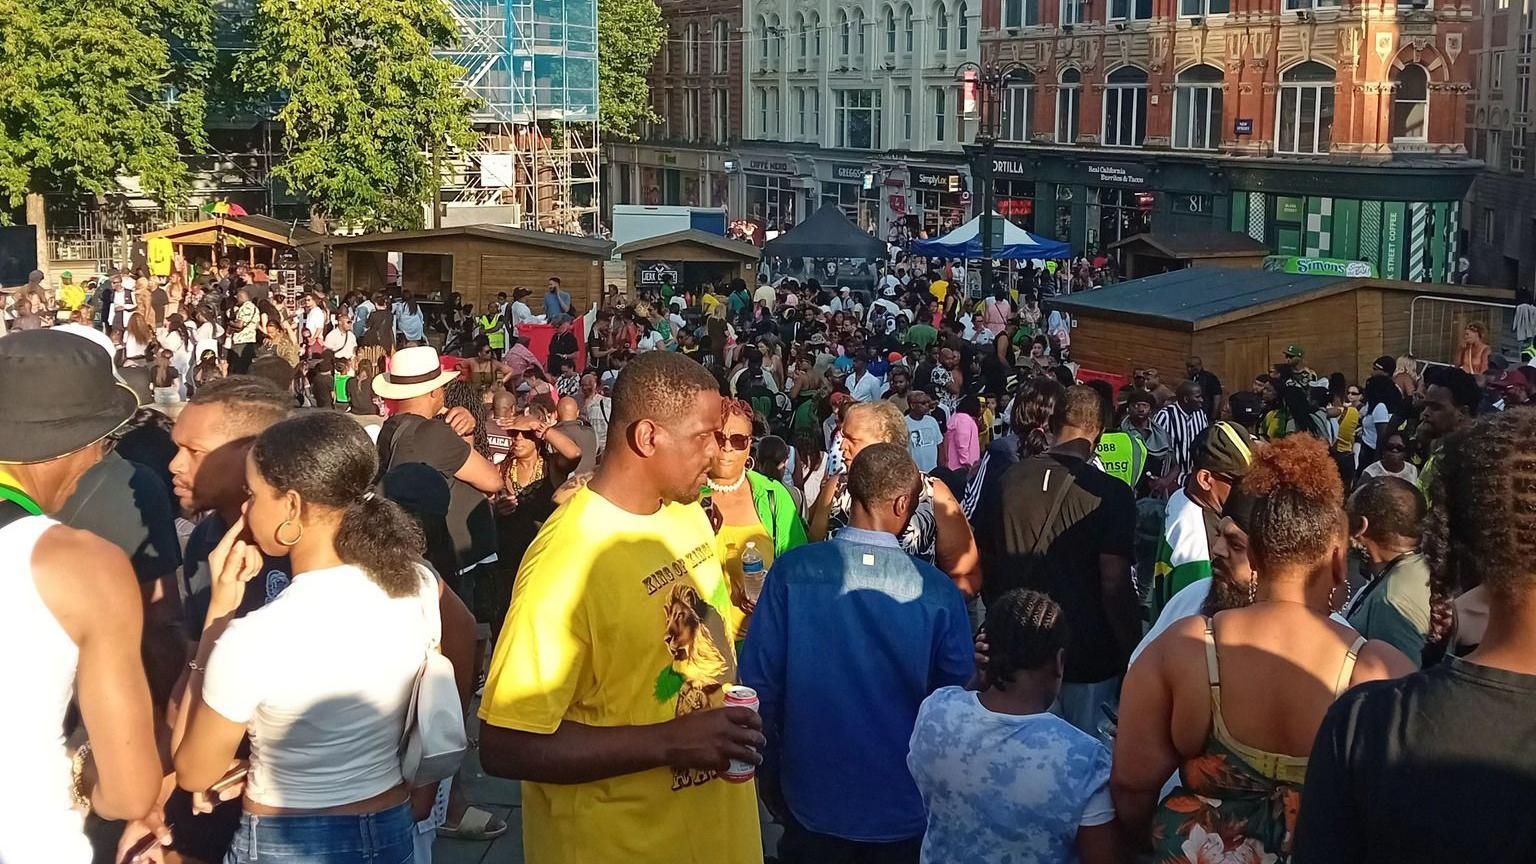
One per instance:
(746, 697)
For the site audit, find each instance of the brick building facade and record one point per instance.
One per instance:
(696, 93)
(1320, 130)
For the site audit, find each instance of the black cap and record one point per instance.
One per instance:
(59, 395)
(1223, 448)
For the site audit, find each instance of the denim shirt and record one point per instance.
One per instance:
(848, 638)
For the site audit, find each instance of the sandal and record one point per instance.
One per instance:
(475, 824)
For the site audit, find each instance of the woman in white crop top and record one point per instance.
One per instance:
(320, 676)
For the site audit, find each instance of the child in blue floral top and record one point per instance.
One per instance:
(1005, 781)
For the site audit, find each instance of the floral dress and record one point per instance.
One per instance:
(1235, 804)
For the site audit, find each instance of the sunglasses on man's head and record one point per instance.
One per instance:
(733, 442)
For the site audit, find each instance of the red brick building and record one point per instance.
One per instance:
(696, 95)
(1320, 130)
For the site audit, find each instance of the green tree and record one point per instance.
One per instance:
(366, 102)
(629, 35)
(94, 90)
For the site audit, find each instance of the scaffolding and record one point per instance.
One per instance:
(532, 64)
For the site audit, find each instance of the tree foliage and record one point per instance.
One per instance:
(364, 101)
(93, 90)
(629, 35)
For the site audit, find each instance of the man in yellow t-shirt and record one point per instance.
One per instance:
(604, 693)
(939, 288)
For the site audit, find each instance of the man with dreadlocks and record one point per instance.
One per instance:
(1055, 803)
(1438, 766)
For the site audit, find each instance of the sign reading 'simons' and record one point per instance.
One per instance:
(1115, 174)
(652, 273)
(1242, 126)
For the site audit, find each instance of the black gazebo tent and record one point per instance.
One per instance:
(827, 234)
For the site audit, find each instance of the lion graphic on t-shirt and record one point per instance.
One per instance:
(694, 654)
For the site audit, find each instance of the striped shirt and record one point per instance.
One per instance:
(1182, 427)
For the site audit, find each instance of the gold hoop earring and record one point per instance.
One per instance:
(278, 534)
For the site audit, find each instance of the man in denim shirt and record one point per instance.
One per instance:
(848, 638)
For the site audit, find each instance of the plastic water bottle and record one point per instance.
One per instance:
(752, 571)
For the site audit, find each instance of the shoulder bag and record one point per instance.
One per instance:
(433, 742)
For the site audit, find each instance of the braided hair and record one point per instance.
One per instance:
(1036, 409)
(1482, 520)
(1025, 630)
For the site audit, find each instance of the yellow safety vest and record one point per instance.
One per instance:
(1123, 456)
(490, 325)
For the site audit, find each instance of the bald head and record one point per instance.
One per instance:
(567, 409)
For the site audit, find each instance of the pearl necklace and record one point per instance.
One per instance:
(727, 488)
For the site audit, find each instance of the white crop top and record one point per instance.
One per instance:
(320, 677)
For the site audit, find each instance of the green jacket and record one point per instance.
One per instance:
(777, 510)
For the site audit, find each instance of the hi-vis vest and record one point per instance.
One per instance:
(490, 325)
(1123, 455)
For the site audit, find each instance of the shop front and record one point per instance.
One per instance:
(855, 189)
(1092, 203)
(773, 193)
(662, 176)
(687, 259)
(938, 199)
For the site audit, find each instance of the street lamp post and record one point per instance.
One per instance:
(989, 79)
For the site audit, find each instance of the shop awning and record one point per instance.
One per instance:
(965, 242)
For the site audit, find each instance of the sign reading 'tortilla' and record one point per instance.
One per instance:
(1114, 174)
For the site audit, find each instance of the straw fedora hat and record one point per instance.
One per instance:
(413, 372)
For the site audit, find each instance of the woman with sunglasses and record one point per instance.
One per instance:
(1344, 414)
(539, 454)
(746, 507)
(1394, 460)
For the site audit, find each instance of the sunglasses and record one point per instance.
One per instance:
(733, 442)
(523, 433)
(1354, 393)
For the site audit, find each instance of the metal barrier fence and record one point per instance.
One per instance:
(1435, 326)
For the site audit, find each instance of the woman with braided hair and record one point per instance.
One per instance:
(1438, 766)
(1234, 699)
(1054, 805)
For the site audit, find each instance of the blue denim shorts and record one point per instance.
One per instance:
(386, 837)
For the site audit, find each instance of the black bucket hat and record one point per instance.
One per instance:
(57, 395)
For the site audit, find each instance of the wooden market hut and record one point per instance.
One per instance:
(692, 257)
(1160, 251)
(252, 238)
(1239, 322)
(476, 261)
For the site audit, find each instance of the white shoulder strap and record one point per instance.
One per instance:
(429, 607)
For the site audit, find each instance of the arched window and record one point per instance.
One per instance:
(906, 28)
(941, 26)
(844, 34)
(691, 48)
(962, 18)
(776, 28)
(802, 42)
(813, 23)
(1410, 104)
(859, 46)
(1018, 106)
(1197, 109)
(722, 46)
(1069, 101)
(1125, 108)
(764, 39)
(889, 15)
(1305, 123)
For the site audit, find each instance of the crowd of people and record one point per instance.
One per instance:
(872, 566)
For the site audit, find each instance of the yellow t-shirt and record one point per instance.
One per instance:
(708, 302)
(730, 542)
(619, 620)
(939, 288)
(1349, 425)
